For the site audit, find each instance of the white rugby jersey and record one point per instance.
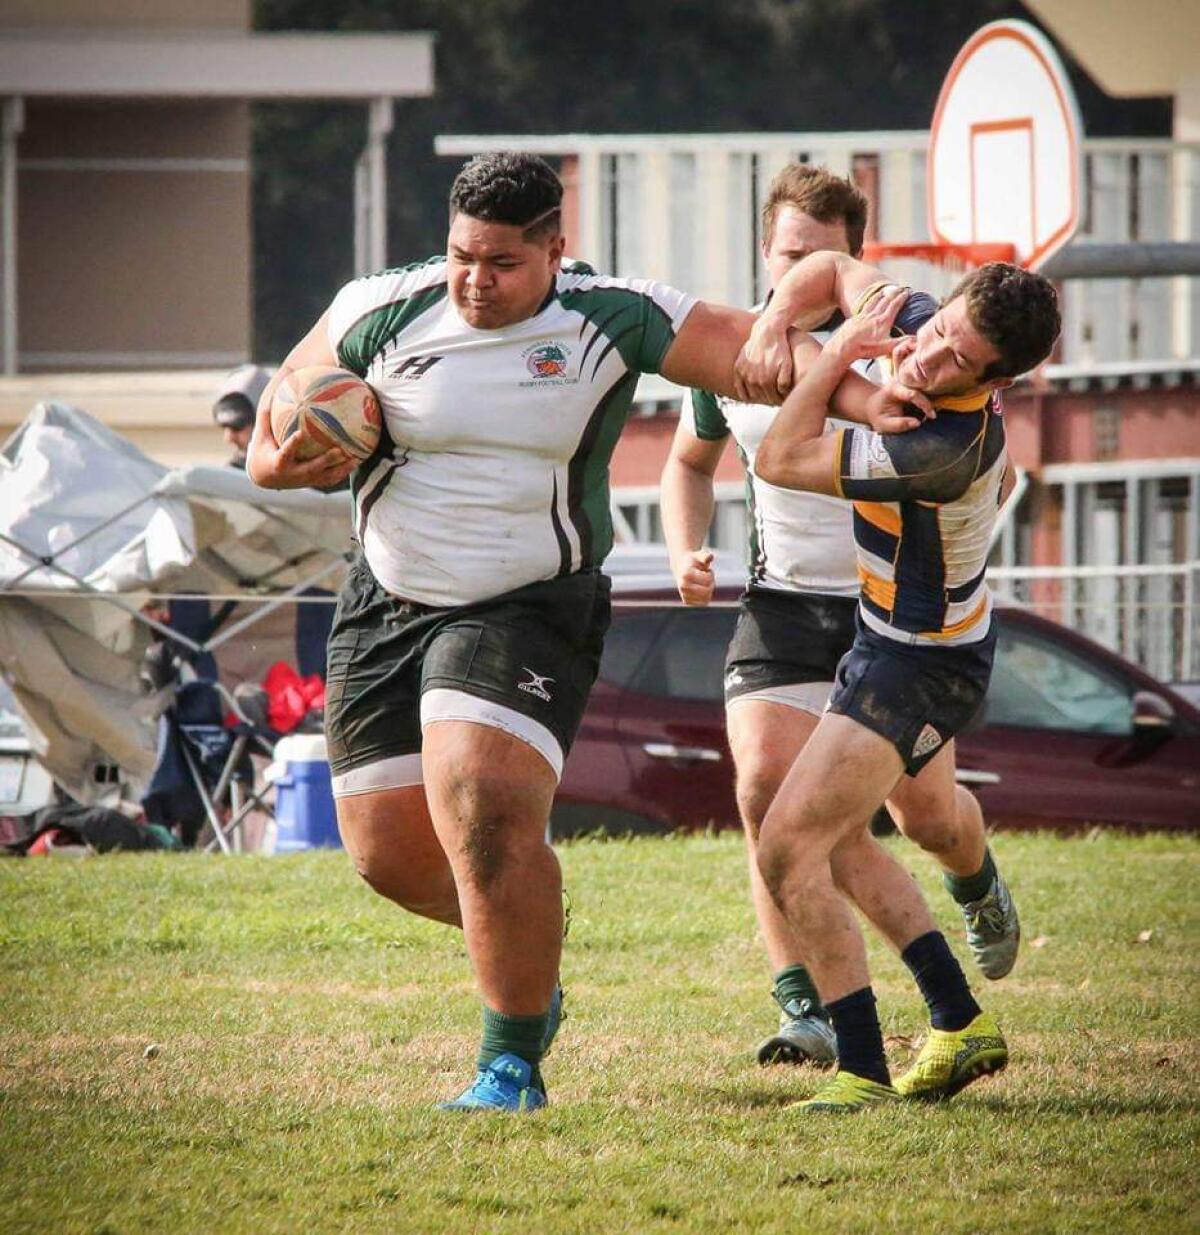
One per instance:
(799, 541)
(493, 468)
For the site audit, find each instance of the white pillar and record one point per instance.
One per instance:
(13, 123)
(654, 259)
(589, 244)
(370, 191)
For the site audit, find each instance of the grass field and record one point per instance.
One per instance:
(303, 1028)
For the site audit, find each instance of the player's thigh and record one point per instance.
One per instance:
(489, 794)
(389, 835)
(930, 794)
(765, 739)
(838, 782)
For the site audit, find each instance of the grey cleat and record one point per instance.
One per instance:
(993, 930)
(805, 1036)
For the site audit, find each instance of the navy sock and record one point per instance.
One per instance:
(941, 980)
(859, 1038)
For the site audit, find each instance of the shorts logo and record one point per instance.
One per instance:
(548, 363)
(928, 740)
(536, 684)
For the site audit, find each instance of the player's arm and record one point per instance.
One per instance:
(796, 453)
(276, 467)
(687, 506)
(704, 354)
(808, 294)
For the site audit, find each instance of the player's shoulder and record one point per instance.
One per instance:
(579, 284)
(374, 307)
(397, 282)
(917, 309)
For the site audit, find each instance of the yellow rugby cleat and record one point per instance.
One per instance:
(951, 1060)
(845, 1093)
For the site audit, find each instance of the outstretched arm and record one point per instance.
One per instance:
(704, 355)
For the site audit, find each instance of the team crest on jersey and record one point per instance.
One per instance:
(548, 362)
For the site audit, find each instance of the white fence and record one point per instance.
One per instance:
(1146, 613)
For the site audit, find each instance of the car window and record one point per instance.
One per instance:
(630, 634)
(1039, 683)
(688, 662)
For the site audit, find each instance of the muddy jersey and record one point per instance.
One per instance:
(799, 542)
(925, 503)
(493, 468)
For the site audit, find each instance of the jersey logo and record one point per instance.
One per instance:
(548, 363)
(536, 684)
(415, 367)
(929, 739)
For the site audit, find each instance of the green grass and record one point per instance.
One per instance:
(305, 1027)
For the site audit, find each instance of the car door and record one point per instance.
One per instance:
(597, 790)
(671, 722)
(1058, 747)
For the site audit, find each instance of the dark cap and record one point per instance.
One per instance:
(237, 399)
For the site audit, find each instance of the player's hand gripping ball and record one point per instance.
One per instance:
(326, 407)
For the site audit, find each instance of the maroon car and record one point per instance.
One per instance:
(1070, 734)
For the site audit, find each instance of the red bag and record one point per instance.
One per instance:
(289, 696)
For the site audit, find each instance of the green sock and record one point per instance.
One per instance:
(794, 983)
(966, 888)
(513, 1035)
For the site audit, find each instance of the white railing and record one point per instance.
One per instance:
(1146, 613)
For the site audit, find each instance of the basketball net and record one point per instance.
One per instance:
(934, 268)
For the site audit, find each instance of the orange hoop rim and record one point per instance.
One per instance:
(962, 256)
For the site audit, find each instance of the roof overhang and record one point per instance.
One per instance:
(214, 64)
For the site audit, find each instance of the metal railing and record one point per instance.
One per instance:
(1146, 613)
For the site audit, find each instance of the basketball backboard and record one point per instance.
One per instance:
(1004, 147)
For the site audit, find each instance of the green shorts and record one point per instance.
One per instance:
(523, 661)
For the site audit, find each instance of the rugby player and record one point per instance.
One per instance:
(469, 629)
(796, 621)
(924, 506)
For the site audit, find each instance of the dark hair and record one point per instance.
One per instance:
(507, 187)
(1016, 311)
(817, 192)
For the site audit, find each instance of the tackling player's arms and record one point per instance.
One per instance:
(274, 467)
(811, 291)
(796, 453)
(704, 355)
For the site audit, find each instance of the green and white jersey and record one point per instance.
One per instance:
(799, 542)
(493, 470)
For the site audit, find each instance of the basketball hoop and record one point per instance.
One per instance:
(957, 257)
(931, 267)
(1003, 164)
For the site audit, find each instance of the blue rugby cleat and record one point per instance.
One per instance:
(504, 1085)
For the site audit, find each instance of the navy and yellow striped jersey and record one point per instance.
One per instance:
(925, 503)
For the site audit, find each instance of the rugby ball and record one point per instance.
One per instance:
(326, 407)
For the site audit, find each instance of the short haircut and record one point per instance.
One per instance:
(507, 187)
(817, 192)
(1016, 311)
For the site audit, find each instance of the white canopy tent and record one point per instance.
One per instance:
(92, 534)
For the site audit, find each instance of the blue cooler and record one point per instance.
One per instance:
(304, 814)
